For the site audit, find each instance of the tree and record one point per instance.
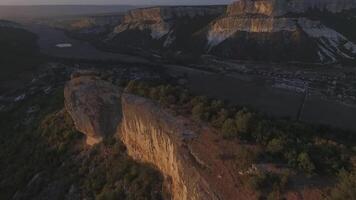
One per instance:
(220, 118)
(154, 93)
(275, 146)
(244, 121)
(199, 112)
(229, 129)
(305, 163)
(345, 189)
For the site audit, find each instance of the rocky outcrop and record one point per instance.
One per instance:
(189, 156)
(283, 7)
(170, 28)
(95, 25)
(94, 106)
(196, 163)
(160, 20)
(313, 31)
(267, 20)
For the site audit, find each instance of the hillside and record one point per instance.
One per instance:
(207, 150)
(19, 53)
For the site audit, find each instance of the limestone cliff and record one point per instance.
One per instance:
(282, 7)
(196, 163)
(94, 105)
(313, 31)
(170, 28)
(186, 154)
(160, 20)
(281, 24)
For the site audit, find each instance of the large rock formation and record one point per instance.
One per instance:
(162, 27)
(281, 30)
(94, 105)
(195, 162)
(189, 156)
(316, 31)
(283, 7)
(85, 25)
(158, 20)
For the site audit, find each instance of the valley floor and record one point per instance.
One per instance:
(315, 94)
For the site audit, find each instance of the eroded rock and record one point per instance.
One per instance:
(187, 155)
(94, 105)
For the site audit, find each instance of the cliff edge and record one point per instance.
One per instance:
(94, 105)
(186, 154)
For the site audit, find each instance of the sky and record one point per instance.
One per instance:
(111, 2)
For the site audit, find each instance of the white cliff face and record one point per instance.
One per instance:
(331, 43)
(158, 20)
(225, 28)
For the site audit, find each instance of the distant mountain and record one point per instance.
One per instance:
(284, 30)
(31, 12)
(313, 31)
(166, 29)
(15, 41)
(19, 52)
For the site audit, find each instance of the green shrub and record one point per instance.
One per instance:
(345, 188)
(220, 118)
(244, 121)
(245, 158)
(111, 195)
(229, 129)
(270, 183)
(275, 146)
(199, 112)
(305, 163)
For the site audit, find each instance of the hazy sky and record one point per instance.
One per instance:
(100, 2)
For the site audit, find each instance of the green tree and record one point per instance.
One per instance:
(220, 118)
(345, 189)
(275, 146)
(305, 163)
(244, 121)
(229, 129)
(199, 112)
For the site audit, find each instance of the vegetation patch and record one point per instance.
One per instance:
(307, 149)
(44, 157)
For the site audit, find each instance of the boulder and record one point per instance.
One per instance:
(94, 106)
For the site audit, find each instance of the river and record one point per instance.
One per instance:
(241, 91)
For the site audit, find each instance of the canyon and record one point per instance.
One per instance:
(264, 30)
(194, 161)
(253, 100)
(267, 30)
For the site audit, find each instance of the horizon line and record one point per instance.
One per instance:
(110, 4)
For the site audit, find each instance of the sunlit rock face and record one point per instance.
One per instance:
(265, 20)
(158, 20)
(170, 28)
(282, 7)
(312, 31)
(94, 106)
(186, 154)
